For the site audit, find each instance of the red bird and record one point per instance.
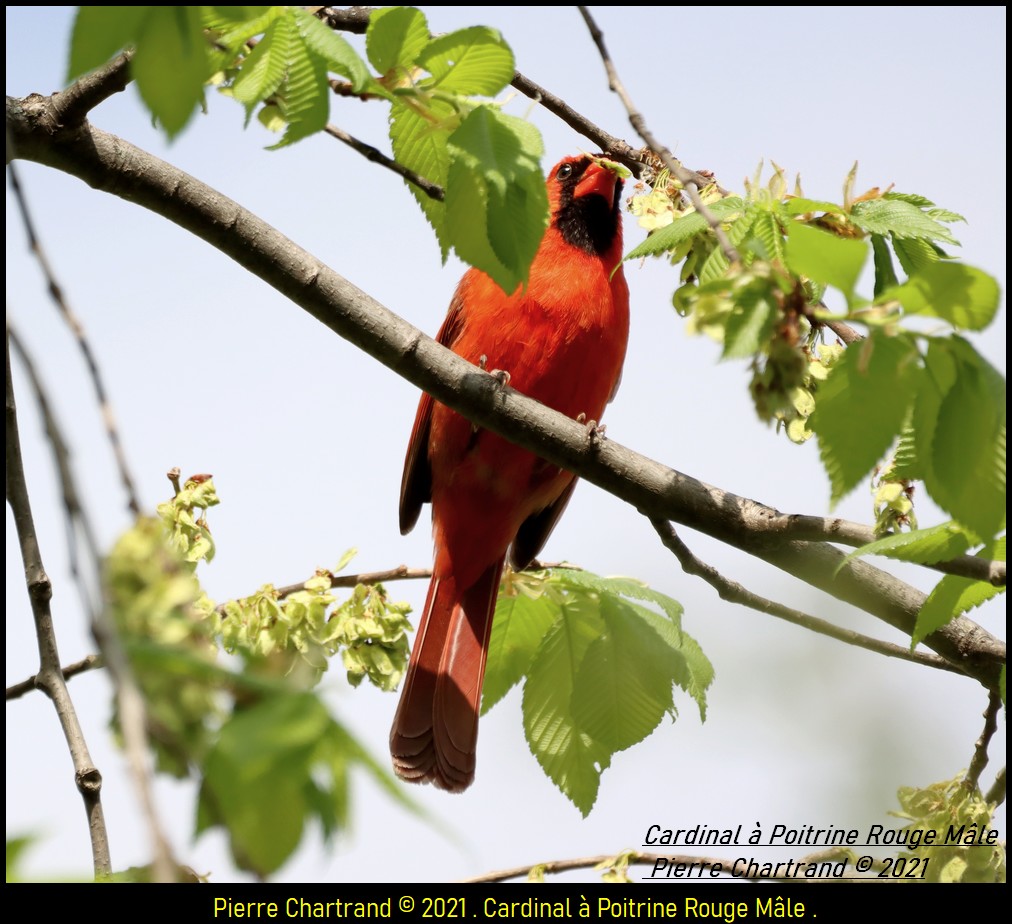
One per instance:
(562, 339)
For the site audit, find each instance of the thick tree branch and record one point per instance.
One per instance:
(50, 677)
(734, 592)
(112, 165)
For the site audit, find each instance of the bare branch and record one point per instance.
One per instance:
(129, 699)
(996, 793)
(432, 190)
(50, 677)
(734, 592)
(979, 761)
(636, 858)
(113, 165)
(685, 177)
(87, 663)
(77, 329)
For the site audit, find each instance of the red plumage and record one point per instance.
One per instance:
(562, 339)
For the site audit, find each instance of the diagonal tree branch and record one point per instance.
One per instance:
(734, 592)
(112, 165)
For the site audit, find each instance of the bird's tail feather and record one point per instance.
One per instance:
(435, 731)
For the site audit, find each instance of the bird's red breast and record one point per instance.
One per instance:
(562, 339)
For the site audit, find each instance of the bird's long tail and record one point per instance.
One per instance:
(435, 731)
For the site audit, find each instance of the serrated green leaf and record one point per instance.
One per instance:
(915, 254)
(502, 155)
(885, 274)
(518, 630)
(768, 232)
(924, 546)
(171, 64)
(966, 297)
(714, 266)
(901, 219)
(862, 406)
(966, 476)
(623, 686)
(954, 595)
(824, 257)
(421, 144)
(684, 228)
(304, 99)
(395, 37)
(99, 32)
(473, 62)
(233, 26)
(264, 69)
(622, 587)
(945, 215)
(920, 201)
(334, 52)
(570, 758)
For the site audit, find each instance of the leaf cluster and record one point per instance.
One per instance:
(599, 658)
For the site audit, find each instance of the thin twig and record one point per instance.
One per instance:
(77, 329)
(88, 663)
(432, 190)
(685, 177)
(996, 793)
(979, 760)
(50, 677)
(722, 866)
(128, 696)
(733, 592)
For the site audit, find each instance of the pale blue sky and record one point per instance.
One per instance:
(211, 371)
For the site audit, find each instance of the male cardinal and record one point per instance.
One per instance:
(562, 340)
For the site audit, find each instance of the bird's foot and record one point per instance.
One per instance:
(501, 375)
(595, 431)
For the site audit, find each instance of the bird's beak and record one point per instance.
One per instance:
(598, 180)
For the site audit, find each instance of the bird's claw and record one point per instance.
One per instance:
(502, 376)
(595, 431)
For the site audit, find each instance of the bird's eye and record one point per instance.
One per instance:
(565, 171)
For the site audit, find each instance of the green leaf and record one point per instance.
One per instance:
(334, 52)
(885, 274)
(750, 323)
(264, 69)
(473, 62)
(684, 228)
(570, 758)
(496, 203)
(768, 232)
(824, 257)
(304, 99)
(901, 219)
(623, 686)
(953, 596)
(966, 297)
(517, 632)
(801, 206)
(171, 64)
(862, 406)
(620, 586)
(915, 254)
(967, 449)
(99, 32)
(395, 37)
(419, 143)
(257, 775)
(923, 546)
